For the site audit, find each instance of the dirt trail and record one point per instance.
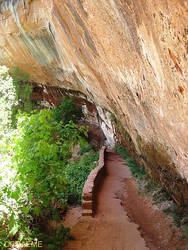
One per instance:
(111, 228)
(119, 208)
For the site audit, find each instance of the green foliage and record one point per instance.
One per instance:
(77, 173)
(7, 99)
(7, 102)
(35, 151)
(56, 238)
(180, 217)
(158, 194)
(23, 93)
(113, 118)
(127, 135)
(18, 75)
(186, 230)
(15, 94)
(85, 149)
(67, 111)
(146, 184)
(41, 147)
(139, 139)
(137, 171)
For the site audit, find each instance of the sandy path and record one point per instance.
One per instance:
(111, 228)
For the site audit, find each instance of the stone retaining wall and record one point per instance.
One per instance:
(91, 185)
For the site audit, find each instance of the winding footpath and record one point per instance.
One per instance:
(124, 220)
(111, 228)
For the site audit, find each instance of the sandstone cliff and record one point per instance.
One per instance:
(127, 56)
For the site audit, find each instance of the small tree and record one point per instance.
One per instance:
(67, 111)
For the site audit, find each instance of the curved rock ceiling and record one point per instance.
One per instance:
(127, 56)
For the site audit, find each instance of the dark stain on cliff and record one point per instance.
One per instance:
(63, 24)
(51, 30)
(79, 21)
(131, 27)
(42, 46)
(82, 8)
(5, 4)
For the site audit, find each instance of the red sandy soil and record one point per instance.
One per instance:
(124, 220)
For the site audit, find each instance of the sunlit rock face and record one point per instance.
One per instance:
(127, 56)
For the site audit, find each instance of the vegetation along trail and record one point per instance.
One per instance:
(111, 227)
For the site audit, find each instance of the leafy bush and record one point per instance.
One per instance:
(18, 75)
(35, 174)
(23, 93)
(67, 111)
(85, 149)
(56, 238)
(41, 148)
(186, 230)
(8, 100)
(15, 94)
(76, 175)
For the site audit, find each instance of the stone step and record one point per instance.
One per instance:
(87, 205)
(87, 212)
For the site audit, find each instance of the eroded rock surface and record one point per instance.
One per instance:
(127, 56)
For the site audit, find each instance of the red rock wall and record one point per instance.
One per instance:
(91, 186)
(128, 56)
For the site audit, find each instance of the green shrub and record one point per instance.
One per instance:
(76, 175)
(67, 111)
(57, 238)
(8, 100)
(137, 171)
(146, 184)
(18, 75)
(34, 154)
(186, 230)
(41, 148)
(23, 90)
(85, 149)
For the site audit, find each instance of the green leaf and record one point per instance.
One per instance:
(15, 195)
(26, 209)
(11, 221)
(51, 246)
(30, 197)
(14, 230)
(36, 210)
(31, 181)
(21, 236)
